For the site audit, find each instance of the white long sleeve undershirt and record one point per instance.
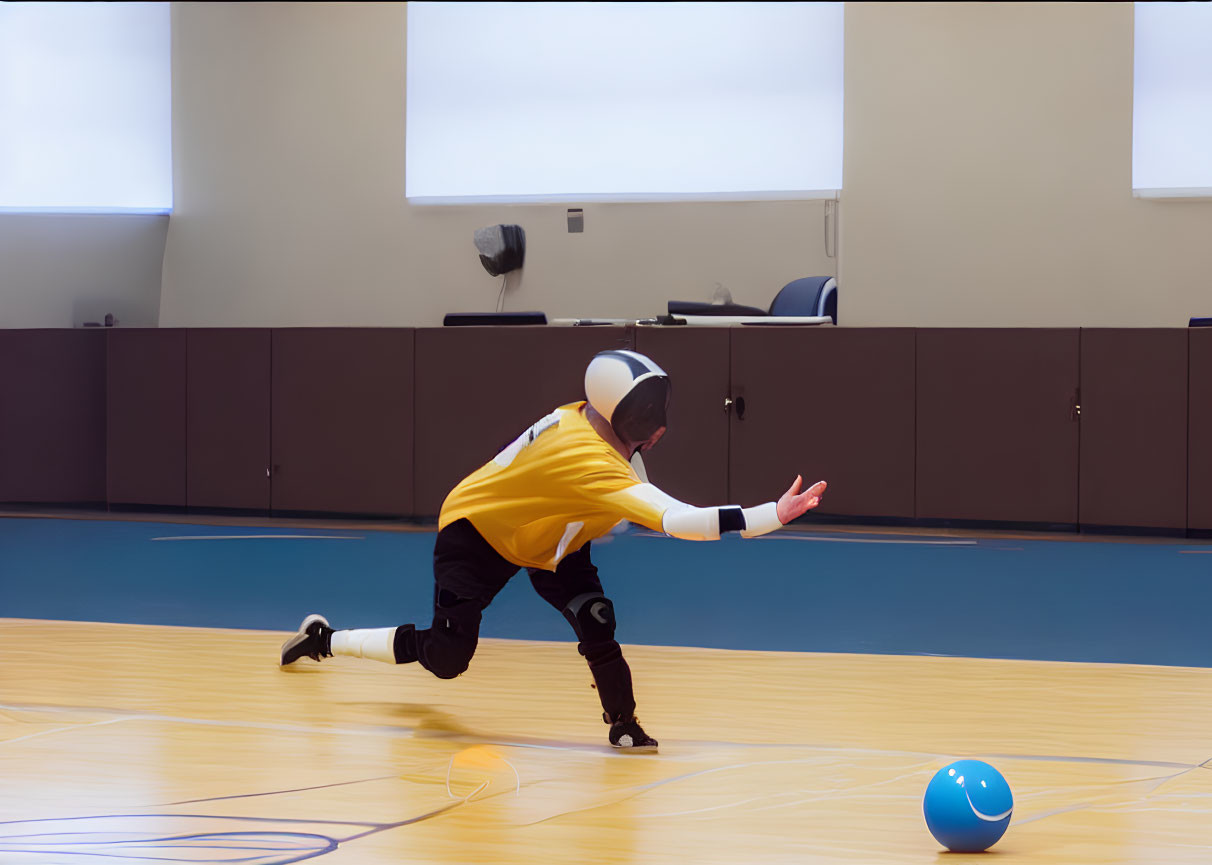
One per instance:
(691, 523)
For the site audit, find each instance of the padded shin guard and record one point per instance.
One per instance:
(613, 679)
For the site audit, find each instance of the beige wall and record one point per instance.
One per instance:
(288, 129)
(62, 269)
(987, 182)
(988, 174)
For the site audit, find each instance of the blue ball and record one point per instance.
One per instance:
(968, 806)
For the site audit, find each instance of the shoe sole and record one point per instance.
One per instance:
(636, 749)
(299, 637)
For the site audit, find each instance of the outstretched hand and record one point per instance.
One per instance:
(795, 504)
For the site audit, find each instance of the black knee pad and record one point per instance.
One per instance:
(404, 644)
(592, 617)
(448, 653)
(450, 667)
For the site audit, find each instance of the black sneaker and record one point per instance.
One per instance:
(312, 641)
(630, 736)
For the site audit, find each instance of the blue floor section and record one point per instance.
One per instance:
(1049, 600)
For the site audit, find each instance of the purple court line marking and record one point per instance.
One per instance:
(1161, 782)
(52, 835)
(572, 746)
(1060, 758)
(197, 817)
(1164, 764)
(329, 843)
(207, 835)
(276, 792)
(641, 789)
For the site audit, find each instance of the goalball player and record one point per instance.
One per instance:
(538, 505)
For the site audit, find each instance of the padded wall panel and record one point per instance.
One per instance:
(146, 438)
(828, 403)
(1134, 427)
(228, 426)
(52, 415)
(342, 420)
(997, 430)
(1199, 442)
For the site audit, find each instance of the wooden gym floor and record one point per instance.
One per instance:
(135, 744)
(160, 740)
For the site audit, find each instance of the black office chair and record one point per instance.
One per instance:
(812, 295)
(809, 296)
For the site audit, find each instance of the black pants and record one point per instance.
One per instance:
(468, 573)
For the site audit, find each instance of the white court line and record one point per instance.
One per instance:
(790, 537)
(408, 732)
(368, 730)
(393, 732)
(262, 537)
(60, 730)
(793, 537)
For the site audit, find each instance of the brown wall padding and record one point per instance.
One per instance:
(832, 404)
(691, 460)
(997, 435)
(1134, 428)
(478, 388)
(146, 440)
(1199, 446)
(52, 416)
(937, 423)
(228, 418)
(343, 420)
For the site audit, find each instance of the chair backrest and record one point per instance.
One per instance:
(811, 295)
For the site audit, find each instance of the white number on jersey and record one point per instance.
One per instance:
(510, 453)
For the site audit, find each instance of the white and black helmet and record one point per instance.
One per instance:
(630, 391)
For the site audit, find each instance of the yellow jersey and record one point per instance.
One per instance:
(558, 485)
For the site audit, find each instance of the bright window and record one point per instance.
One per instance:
(623, 101)
(1172, 100)
(85, 107)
